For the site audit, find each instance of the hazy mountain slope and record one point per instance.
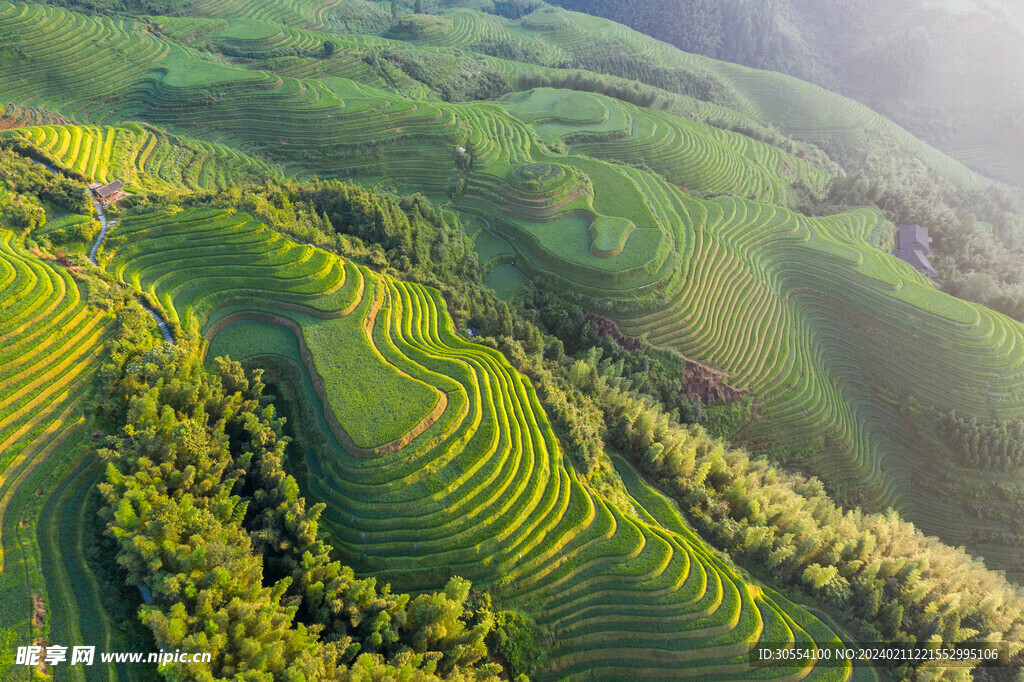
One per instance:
(948, 71)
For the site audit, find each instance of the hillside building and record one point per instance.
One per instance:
(913, 246)
(108, 194)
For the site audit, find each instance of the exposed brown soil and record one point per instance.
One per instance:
(38, 611)
(606, 327)
(707, 385)
(41, 668)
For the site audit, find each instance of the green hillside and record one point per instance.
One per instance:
(483, 491)
(523, 281)
(580, 230)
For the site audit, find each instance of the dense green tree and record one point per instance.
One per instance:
(21, 175)
(22, 214)
(874, 571)
(514, 9)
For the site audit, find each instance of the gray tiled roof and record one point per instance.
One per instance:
(108, 190)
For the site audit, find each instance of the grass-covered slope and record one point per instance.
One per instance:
(51, 345)
(699, 157)
(160, 258)
(111, 70)
(483, 491)
(160, 82)
(946, 70)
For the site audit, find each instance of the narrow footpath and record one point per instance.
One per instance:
(92, 259)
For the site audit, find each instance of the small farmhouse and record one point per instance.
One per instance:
(913, 246)
(108, 194)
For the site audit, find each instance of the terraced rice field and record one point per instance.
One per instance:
(590, 224)
(142, 157)
(65, 224)
(490, 247)
(250, 36)
(338, 127)
(251, 109)
(289, 52)
(506, 281)
(436, 456)
(311, 14)
(232, 241)
(60, 57)
(606, 229)
(465, 28)
(809, 112)
(14, 116)
(51, 344)
(755, 98)
(699, 157)
(803, 313)
(346, 129)
(483, 490)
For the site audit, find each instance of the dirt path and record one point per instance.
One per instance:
(95, 247)
(92, 259)
(103, 232)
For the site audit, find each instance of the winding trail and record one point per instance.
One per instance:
(96, 246)
(103, 232)
(92, 259)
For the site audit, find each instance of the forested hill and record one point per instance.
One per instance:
(950, 72)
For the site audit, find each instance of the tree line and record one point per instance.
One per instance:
(514, 9)
(22, 176)
(875, 572)
(996, 445)
(987, 444)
